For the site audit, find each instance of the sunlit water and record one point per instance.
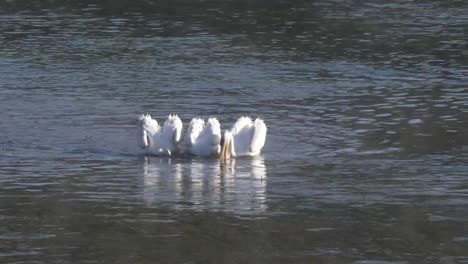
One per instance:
(366, 156)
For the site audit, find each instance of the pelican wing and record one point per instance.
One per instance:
(212, 135)
(149, 124)
(258, 137)
(241, 125)
(213, 129)
(173, 129)
(148, 132)
(242, 135)
(194, 130)
(203, 140)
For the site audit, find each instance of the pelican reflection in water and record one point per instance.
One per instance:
(161, 180)
(202, 184)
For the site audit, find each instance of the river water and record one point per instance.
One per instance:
(366, 159)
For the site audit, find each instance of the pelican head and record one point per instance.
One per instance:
(227, 148)
(144, 121)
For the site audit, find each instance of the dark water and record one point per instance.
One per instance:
(366, 159)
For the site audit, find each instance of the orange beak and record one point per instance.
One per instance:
(225, 150)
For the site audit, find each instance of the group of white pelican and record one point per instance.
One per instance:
(245, 138)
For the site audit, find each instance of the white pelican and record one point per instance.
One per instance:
(203, 140)
(156, 140)
(246, 138)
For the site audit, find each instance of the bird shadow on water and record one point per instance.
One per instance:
(238, 186)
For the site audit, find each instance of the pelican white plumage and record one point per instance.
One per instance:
(246, 138)
(156, 140)
(203, 139)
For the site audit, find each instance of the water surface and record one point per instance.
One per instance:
(365, 160)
